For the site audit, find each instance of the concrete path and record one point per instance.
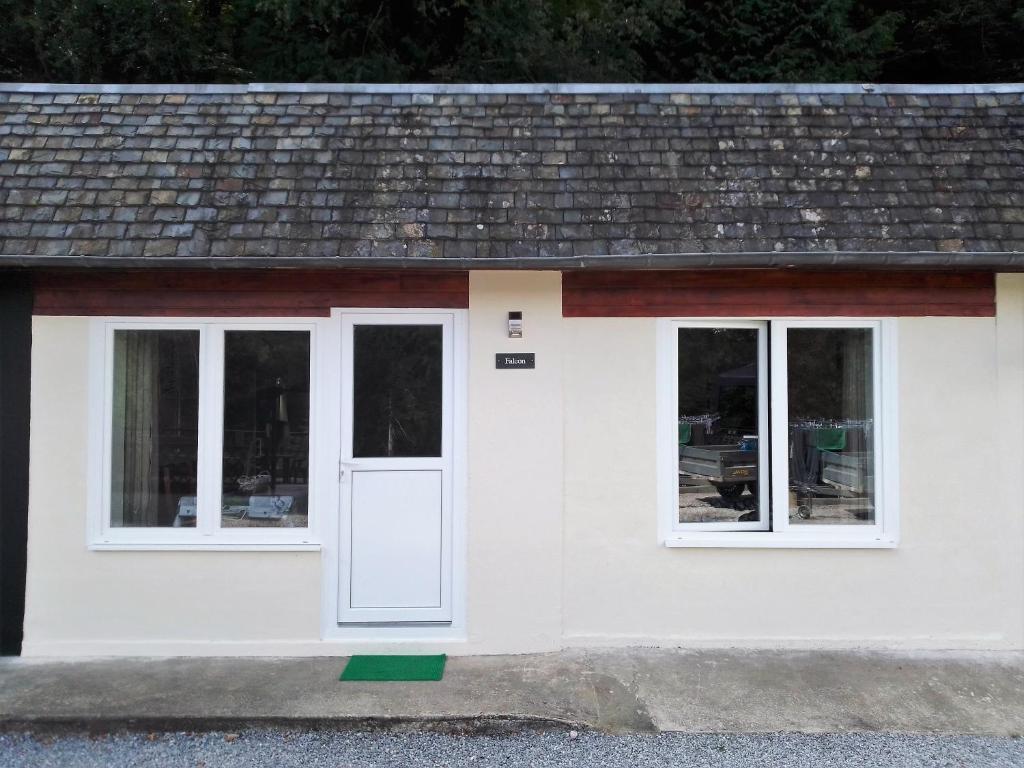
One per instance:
(618, 691)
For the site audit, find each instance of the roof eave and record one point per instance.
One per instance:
(1010, 261)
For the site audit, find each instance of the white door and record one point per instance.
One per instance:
(395, 546)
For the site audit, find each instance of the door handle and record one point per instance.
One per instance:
(345, 465)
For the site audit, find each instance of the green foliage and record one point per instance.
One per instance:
(324, 40)
(957, 41)
(119, 40)
(18, 60)
(766, 40)
(511, 40)
(541, 40)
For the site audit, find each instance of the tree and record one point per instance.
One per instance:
(764, 41)
(340, 40)
(545, 40)
(957, 41)
(17, 56)
(119, 41)
(510, 40)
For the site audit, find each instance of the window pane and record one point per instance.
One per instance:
(154, 444)
(396, 407)
(266, 429)
(831, 434)
(718, 425)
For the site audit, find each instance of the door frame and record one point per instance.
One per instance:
(329, 492)
(350, 465)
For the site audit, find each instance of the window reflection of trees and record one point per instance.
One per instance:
(397, 390)
(718, 375)
(266, 409)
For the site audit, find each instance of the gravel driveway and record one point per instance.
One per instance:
(311, 749)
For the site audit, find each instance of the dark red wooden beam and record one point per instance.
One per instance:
(763, 293)
(231, 293)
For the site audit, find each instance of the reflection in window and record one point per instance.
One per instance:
(831, 440)
(266, 429)
(154, 444)
(718, 425)
(397, 390)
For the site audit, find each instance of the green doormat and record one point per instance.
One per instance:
(394, 668)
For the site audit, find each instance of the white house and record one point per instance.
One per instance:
(500, 369)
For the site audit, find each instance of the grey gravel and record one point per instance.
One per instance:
(310, 749)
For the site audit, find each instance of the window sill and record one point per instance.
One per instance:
(107, 546)
(770, 541)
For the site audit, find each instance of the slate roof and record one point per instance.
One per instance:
(449, 175)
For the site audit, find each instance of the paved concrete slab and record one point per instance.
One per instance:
(615, 690)
(770, 691)
(550, 688)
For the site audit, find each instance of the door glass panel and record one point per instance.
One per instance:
(396, 409)
(718, 425)
(831, 431)
(155, 435)
(266, 429)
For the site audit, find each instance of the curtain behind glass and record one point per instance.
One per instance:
(154, 444)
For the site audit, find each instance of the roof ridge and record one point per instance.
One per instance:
(521, 88)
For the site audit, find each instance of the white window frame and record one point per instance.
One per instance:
(208, 533)
(883, 533)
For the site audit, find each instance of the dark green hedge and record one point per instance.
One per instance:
(511, 40)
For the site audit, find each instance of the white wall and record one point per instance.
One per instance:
(83, 602)
(954, 582)
(114, 602)
(562, 518)
(1010, 427)
(515, 465)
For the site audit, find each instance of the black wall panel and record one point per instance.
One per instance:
(15, 359)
